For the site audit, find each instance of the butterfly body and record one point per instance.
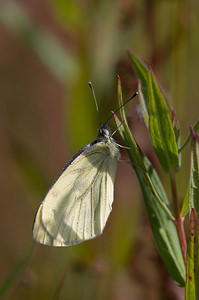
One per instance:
(77, 206)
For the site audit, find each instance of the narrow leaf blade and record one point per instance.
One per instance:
(187, 140)
(143, 104)
(185, 205)
(141, 71)
(159, 214)
(176, 128)
(163, 228)
(194, 174)
(160, 127)
(196, 255)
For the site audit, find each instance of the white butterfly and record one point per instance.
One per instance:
(77, 206)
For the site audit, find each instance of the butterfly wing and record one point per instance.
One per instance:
(40, 233)
(77, 206)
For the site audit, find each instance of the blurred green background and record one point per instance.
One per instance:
(49, 50)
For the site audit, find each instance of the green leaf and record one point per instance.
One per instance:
(160, 127)
(126, 134)
(158, 210)
(163, 227)
(196, 255)
(143, 104)
(141, 71)
(194, 176)
(187, 140)
(185, 205)
(16, 273)
(176, 128)
(192, 193)
(190, 281)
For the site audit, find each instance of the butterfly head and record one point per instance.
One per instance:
(104, 132)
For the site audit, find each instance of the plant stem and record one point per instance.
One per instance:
(179, 221)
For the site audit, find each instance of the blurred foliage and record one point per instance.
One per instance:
(49, 50)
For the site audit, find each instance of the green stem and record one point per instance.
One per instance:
(179, 220)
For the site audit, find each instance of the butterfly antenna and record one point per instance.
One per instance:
(117, 127)
(109, 119)
(92, 90)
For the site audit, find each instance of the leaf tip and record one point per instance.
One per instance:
(130, 52)
(114, 116)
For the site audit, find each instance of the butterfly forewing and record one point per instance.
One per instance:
(77, 206)
(41, 235)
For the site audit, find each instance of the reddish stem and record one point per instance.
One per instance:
(179, 219)
(181, 235)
